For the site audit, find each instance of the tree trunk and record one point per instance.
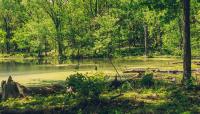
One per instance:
(96, 8)
(60, 49)
(180, 26)
(129, 47)
(145, 38)
(78, 53)
(186, 42)
(59, 41)
(91, 9)
(8, 36)
(11, 89)
(160, 42)
(45, 46)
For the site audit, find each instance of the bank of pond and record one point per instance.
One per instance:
(98, 93)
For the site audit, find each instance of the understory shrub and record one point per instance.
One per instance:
(147, 80)
(86, 87)
(127, 86)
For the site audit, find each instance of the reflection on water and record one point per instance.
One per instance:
(35, 72)
(23, 67)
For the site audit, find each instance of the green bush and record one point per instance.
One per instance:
(86, 87)
(147, 80)
(127, 86)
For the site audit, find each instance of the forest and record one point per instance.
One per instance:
(95, 28)
(100, 56)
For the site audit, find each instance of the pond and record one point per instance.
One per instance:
(33, 71)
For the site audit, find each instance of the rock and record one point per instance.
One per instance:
(11, 89)
(173, 80)
(70, 89)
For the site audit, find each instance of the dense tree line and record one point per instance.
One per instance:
(96, 28)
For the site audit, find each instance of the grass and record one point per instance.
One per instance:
(142, 101)
(163, 97)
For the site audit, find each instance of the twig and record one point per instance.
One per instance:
(115, 68)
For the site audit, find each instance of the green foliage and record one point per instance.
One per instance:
(87, 87)
(95, 28)
(2, 39)
(34, 37)
(127, 86)
(189, 84)
(34, 103)
(147, 80)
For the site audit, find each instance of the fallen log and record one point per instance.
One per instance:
(143, 70)
(170, 71)
(134, 71)
(198, 70)
(177, 62)
(195, 62)
(45, 90)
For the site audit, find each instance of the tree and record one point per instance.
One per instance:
(12, 16)
(94, 28)
(187, 47)
(33, 38)
(56, 9)
(105, 35)
(78, 29)
(2, 40)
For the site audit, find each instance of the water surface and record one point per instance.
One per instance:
(33, 71)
